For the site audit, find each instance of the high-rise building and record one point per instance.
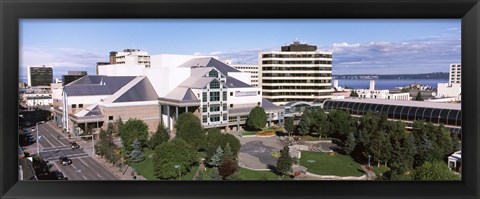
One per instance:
(72, 76)
(39, 75)
(299, 72)
(247, 68)
(130, 56)
(455, 74)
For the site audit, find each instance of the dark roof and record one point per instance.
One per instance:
(269, 105)
(97, 85)
(95, 111)
(142, 91)
(210, 62)
(235, 83)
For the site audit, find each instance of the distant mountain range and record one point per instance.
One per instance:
(437, 75)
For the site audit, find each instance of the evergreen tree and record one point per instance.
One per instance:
(217, 158)
(227, 152)
(349, 143)
(353, 94)
(340, 123)
(284, 162)
(131, 130)
(215, 175)
(137, 154)
(289, 126)
(419, 97)
(257, 119)
(159, 137)
(304, 124)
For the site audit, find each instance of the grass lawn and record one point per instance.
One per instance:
(323, 164)
(145, 168)
(249, 132)
(256, 175)
(380, 170)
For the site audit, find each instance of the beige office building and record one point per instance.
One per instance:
(299, 72)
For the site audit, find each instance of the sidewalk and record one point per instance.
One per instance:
(120, 173)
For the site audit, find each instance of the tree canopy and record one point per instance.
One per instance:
(170, 154)
(434, 171)
(284, 162)
(131, 130)
(257, 119)
(160, 136)
(190, 129)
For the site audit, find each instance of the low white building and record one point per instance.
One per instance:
(380, 94)
(455, 161)
(447, 90)
(37, 99)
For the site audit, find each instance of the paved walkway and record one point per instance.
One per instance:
(370, 174)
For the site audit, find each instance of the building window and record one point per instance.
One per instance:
(204, 119)
(231, 105)
(214, 96)
(215, 118)
(258, 92)
(225, 107)
(224, 117)
(204, 96)
(224, 96)
(231, 93)
(75, 106)
(110, 118)
(80, 106)
(204, 109)
(213, 73)
(214, 84)
(214, 108)
(258, 103)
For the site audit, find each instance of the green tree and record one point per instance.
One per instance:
(169, 154)
(402, 148)
(215, 175)
(349, 143)
(118, 125)
(227, 152)
(289, 126)
(434, 171)
(232, 141)
(184, 118)
(313, 121)
(131, 130)
(191, 131)
(227, 168)
(304, 124)
(137, 154)
(217, 158)
(159, 137)
(353, 93)
(284, 162)
(341, 123)
(212, 138)
(257, 119)
(419, 97)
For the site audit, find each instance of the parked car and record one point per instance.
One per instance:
(31, 139)
(34, 129)
(65, 161)
(28, 134)
(75, 145)
(58, 175)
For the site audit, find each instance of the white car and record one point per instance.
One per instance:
(34, 129)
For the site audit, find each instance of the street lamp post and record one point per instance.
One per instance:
(439, 119)
(38, 137)
(178, 167)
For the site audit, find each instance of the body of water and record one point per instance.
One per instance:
(381, 84)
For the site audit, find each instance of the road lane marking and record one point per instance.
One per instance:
(83, 161)
(45, 138)
(84, 177)
(99, 176)
(74, 166)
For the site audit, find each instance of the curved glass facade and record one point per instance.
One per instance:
(399, 112)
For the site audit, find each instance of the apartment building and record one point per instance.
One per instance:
(299, 72)
(452, 89)
(130, 56)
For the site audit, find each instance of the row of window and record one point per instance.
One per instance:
(297, 55)
(434, 115)
(286, 100)
(297, 87)
(214, 118)
(295, 62)
(79, 106)
(297, 74)
(296, 94)
(292, 81)
(297, 68)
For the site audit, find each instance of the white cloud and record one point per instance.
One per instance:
(64, 57)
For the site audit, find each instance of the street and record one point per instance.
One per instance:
(53, 145)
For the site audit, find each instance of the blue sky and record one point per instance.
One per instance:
(358, 46)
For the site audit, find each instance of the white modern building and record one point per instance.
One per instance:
(455, 161)
(218, 94)
(164, 72)
(454, 86)
(37, 99)
(93, 101)
(252, 69)
(381, 94)
(296, 73)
